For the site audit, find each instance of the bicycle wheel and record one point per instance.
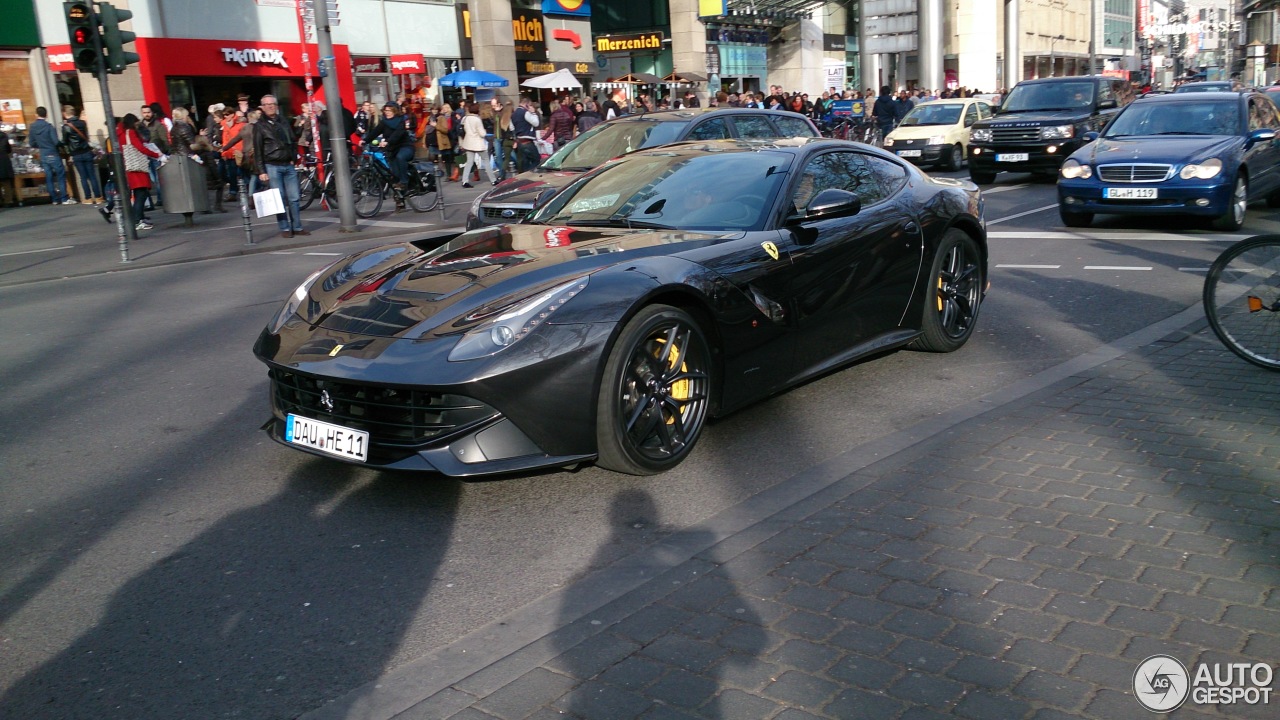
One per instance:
(1242, 299)
(306, 189)
(367, 189)
(424, 193)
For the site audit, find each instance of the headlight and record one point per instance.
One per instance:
(515, 321)
(1072, 170)
(295, 300)
(888, 142)
(937, 140)
(1203, 171)
(475, 204)
(980, 135)
(1057, 132)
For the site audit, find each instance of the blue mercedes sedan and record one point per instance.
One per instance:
(1202, 154)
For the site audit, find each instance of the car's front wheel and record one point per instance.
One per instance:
(655, 393)
(955, 158)
(955, 294)
(981, 178)
(1233, 218)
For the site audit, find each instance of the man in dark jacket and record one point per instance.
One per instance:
(75, 136)
(44, 138)
(274, 153)
(885, 111)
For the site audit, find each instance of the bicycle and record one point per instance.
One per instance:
(309, 189)
(373, 181)
(1242, 299)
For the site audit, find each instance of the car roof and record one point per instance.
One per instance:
(791, 145)
(1189, 97)
(955, 101)
(1206, 83)
(685, 114)
(1065, 78)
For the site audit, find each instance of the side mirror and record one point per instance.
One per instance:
(1106, 104)
(1091, 136)
(830, 203)
(1261, 135)
(542, 199)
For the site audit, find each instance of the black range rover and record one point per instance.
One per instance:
(1041, 122)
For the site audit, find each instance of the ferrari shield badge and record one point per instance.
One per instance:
(771, 249)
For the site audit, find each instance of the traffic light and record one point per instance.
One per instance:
(82, 28)
(114, 39)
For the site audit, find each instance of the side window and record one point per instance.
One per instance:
(793, 127)
(1267, 108)
(872, 179)
(713, 129)
(753, 126)
(1256, 118)
(1106, 92)
(971, 115)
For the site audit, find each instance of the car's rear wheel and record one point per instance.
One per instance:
(955, 159)
(981, 178)
(655, 393)
(956, 282)
(1075, 219)
(1233, 218)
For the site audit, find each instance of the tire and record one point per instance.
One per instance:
(955, 160)
(956, 284)
(650, 412)
(1233, 218)
(425, 194)
(1074, 219)
(1273, 200)
(1245, 274)
(367, 189)
(981, 178)
(306, 190)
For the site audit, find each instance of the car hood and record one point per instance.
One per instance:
(1037, 117)
(402, 291)
(917, 132)
(524, 188)
(1165, 149)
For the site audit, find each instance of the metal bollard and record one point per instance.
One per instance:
(243, 192)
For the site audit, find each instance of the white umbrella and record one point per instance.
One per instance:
(561, 78)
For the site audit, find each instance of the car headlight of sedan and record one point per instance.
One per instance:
(295, 300)
(888, 142)
(475, 204)
(1057, 132)
(515, 321)
(980, 135)
(1201, 171)
(1071, 169)
(937, 140)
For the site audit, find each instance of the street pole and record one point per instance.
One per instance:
(124, 216)
(1012, 53)
(1093, 35)
(337, 130)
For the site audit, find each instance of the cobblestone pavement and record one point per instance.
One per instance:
(1021, 565)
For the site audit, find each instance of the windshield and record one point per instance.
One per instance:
(1049, 96)
(683, 189)
(610, 140)
(1181, 118)
(948, 114)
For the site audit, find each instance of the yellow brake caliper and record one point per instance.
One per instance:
(940, 293)
(680, 388)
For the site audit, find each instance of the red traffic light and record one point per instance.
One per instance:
(82, 36)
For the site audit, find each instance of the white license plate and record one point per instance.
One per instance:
(327, 438)
(908, 153)
(1013, 157)
(1130, 193)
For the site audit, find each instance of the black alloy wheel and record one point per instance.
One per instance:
(655, 393)
(956, 285)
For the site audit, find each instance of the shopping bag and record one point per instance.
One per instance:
(268, 202)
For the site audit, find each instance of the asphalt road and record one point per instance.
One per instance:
(164, 559)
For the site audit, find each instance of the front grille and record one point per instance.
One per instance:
(1014, 134)
(1135, 173)
(494, 215)
(393, 417)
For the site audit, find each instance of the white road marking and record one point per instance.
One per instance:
(1113, 235)
(1022, 214)
(1115, 267)
(1003, 188)
(1029, 267)
(28, 252)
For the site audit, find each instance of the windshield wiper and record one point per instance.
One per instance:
(619, 222)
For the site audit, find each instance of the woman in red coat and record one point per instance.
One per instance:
(139, 180)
